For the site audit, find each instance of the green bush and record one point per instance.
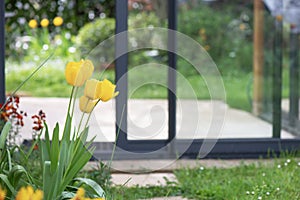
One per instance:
(74, 13)
(92, 34)
(225, 34)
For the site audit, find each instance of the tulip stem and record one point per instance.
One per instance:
(118, 132)
(70, 101)
(74, 99)
(88, 119)
(80, 122)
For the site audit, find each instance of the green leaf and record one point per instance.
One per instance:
(4, 134)
(16, 173)
(47, 139)
(9, 159)
(49, 182)
(67, 129)
(62, 167)
(75, 167)
(54, 152)
(67, 195)
(95, 187)
(44, 152)
(8, 184)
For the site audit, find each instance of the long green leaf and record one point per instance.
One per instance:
(9, 159)
(4, 134)
(54, 152)
(67, 129)
(64, 154)
(8, 184)
(73, 171)
(16, 173)
(67, 195)
(96, 188)
(49, 184)
(47, 139)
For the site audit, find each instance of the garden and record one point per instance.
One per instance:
(51, 48)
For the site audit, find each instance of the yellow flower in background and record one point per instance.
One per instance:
(58, 21)
(86, 105)
(32, 23)
(2, 194)
(27, 193)
(78, 72)
(107, 90)
(44, 22)
(92, 89)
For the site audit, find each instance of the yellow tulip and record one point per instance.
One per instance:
(78, 72)
(27, 193)
(107, 90)
(32, 23)
(92, 89)
(44, 22)
(58, 21)
(86, 105)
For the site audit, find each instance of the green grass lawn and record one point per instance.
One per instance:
(277, 181)
(50, 82)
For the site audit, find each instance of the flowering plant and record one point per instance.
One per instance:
(62, 159)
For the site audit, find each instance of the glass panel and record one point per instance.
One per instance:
(147, 71)
(225, 32)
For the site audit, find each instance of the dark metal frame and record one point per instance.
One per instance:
(2, 52)
(277, 79)
(294, 79)
(121, 70)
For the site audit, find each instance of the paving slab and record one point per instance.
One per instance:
(168, 166)
(153, 179)
(148, 119)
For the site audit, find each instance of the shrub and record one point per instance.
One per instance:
(92, 34)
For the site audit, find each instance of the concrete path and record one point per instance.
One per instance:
(148, 119)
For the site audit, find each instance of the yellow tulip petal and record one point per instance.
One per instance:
(38, 195)
(107, 90)
(86, 105)
(30, 190)
(92, 89)
(80, 192)
(88, 69)
(78, 72)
